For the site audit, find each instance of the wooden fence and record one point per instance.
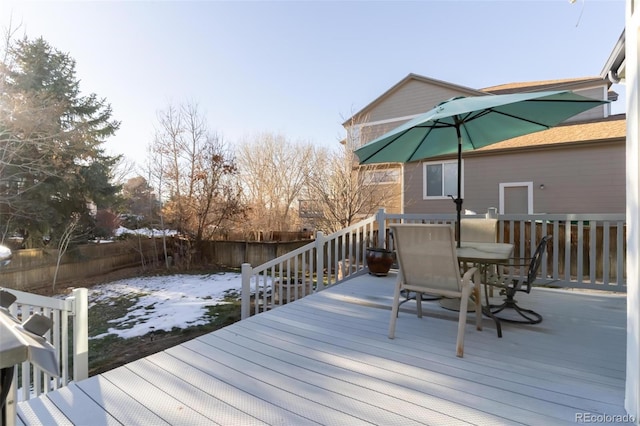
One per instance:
(32, 270)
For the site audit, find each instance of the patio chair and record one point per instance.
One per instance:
(479, 231)
(510, 284)
(428, 263)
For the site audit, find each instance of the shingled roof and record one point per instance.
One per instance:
(535, 86)
(611, 128)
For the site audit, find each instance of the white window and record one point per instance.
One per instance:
(378, 177)
(440, 180)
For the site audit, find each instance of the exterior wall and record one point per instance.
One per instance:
(415, 97)
(390, 193)
(601, 111)
(484, 173)
(371, 132)
(588, 179)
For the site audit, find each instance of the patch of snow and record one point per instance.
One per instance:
(146, 232)
(164, 302)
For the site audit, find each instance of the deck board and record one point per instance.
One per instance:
(79, 408)
(340, 384)
(326, 359)
(471, 376)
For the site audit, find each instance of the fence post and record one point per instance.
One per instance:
(382, 230)
(80, 334)
(319, 260)
(245, 298)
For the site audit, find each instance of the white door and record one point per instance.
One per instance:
(516, 198)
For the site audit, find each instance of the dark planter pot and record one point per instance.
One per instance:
(379, 261)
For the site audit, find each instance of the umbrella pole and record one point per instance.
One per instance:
(458, 199)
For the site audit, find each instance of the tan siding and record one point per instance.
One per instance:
(392, 202)
(577, 180)
(369, 133)
(415, 97)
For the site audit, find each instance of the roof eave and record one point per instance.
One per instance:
(614, 68)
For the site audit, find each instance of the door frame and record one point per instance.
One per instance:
(528, 185)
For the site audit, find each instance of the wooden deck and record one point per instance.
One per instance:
(326, 359)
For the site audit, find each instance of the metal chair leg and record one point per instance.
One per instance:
(529, 316)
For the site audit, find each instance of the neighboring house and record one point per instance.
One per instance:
(577, 167)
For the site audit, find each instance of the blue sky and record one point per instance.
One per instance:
(302, 67)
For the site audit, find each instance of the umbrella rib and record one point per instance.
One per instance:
(546, 126)
(384, 146)
(423, 139)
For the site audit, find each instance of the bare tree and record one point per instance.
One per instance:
(63, 244)
(341, 191)
(199, 174)
(123, 170)
(275, 172)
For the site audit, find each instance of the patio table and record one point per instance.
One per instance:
(481, 255)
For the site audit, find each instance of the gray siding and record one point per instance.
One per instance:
(594, 113)
(415, 97)
(588, 179)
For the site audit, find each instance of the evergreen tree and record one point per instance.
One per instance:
(53, 166)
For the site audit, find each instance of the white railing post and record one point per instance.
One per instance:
(382, 230)
(10, 413)
(319, 260)
(80, 334)
(245, 299)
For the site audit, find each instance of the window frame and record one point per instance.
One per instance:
(442, 163)
(371, 176)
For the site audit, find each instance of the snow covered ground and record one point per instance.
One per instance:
(145, 232)
(164, 302)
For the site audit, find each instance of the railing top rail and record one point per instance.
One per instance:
(543, 216)
(312, 245)
(418, 216)
(613, 217)
(351, 228)
(38, 300)
(289, 255)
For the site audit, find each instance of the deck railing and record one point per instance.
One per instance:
(311, 268)
(69, 336)
(588, 251)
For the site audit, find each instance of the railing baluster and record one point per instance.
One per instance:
(593, 259)
(620, 257)
(64, 349)
(605, 252)
(567, 250)
(556, 251)
(580, 253)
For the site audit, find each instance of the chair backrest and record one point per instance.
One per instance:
(536, 261)
(479, 230)
(427, 256)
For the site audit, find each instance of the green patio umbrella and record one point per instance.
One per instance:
(468, 123)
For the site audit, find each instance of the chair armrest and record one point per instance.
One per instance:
(466, 278)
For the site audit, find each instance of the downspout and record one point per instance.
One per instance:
(613, 77)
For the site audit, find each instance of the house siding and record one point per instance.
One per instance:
(577, 178)
(371, 132)
(594, 113)
(594, 184)
(415, 97)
